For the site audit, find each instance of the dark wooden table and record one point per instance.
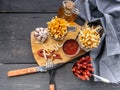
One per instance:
(17, 19)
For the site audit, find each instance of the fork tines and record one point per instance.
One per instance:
(49, 64)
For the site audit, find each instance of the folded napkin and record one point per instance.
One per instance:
(106, 58)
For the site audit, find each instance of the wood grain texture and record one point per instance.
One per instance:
(23, 71)
(19, 26)
(16, 51)
(50, 41)
(52, 87)
(29, 5)
(15, 32)
(64, 80)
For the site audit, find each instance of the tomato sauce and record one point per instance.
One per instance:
(56, 55)
(71, 47)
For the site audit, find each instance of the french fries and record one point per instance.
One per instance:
(83, 68)
(89, 37)
(57, 27)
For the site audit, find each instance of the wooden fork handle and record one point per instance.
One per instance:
(21, 71)
(52, 87)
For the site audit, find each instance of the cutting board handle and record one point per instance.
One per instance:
(21, 71)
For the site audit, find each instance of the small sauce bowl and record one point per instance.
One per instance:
(71, 47)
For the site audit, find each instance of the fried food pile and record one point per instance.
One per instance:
(89, 37)
(83, 68)
(57, 27)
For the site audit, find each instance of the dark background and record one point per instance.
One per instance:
(17, 19)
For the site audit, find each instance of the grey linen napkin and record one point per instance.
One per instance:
(107, 56)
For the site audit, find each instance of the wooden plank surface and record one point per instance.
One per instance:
(29, 5)
(50, 41)
(20, 26)
(22, 17)
(17, 24)
(15, 30)
(64, 80)
(16, 51)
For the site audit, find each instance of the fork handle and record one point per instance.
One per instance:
(52, 87)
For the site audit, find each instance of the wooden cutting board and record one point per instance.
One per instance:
(50, 41)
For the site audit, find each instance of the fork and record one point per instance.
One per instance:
(50, 68)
